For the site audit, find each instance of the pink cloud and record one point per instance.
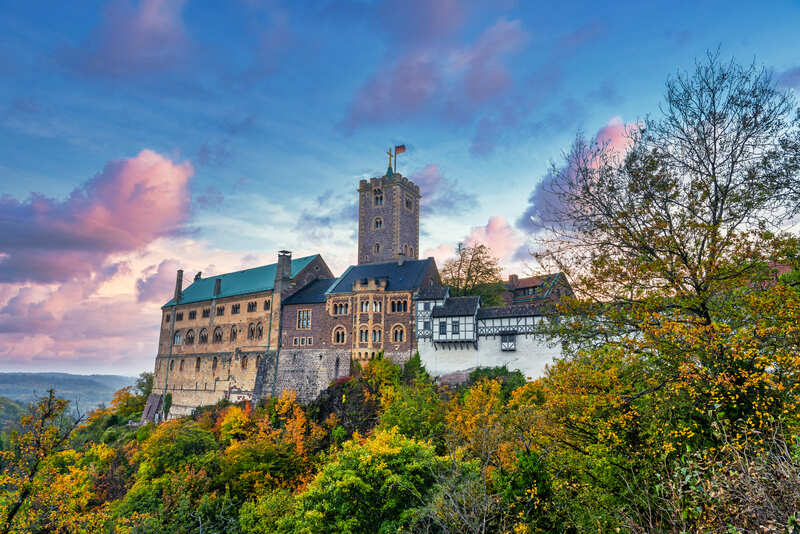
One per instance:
(135, 39)
(157, 282)
(541, 202)
(445, 79)
(499, 236)
(440, 253)
(129, 204)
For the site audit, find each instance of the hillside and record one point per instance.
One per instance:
(86, 391)
(10, 412)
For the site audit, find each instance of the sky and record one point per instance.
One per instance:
(142, 136)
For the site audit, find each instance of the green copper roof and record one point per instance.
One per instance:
(239, 282)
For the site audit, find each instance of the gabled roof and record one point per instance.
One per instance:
(313, 292)
(405, 277)
(432, 292)
(532, 281)
(239, 282)
(457, 307)
(516, 310)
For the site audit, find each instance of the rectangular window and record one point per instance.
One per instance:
(427, 306)
(302, 341)
(220, 310)
(455, 327)
(364, 306)
(179, 316)
(234, 309)
(193, 315)
(167, 317)
(295, 341)
(409, 204)
(442, 328)
(266, 305)
(376, 306)
(252, 306)
(206, 312)
(508, 342)
(303, 319)
(426, 325)
(310, 341)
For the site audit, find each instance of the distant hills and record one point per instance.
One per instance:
(85, 392)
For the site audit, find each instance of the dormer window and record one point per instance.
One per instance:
(378, 196)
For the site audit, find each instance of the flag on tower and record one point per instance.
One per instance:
(399, 149)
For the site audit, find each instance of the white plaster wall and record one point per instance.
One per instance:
(530, 358)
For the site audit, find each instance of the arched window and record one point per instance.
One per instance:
(218, 335)
(411, 252)
(214, 364)
(363, 335)
(259, 330)
(244, 362)
(251, 331)
(189, 338)
(177, 339)
(203, 337)
(378, 196)
(172, 365)
(398, 334)
(405, 250)
(258, 361)
(378, 223)
(339, 335)
(377, 248)
(197, 364)
(376, 335)
(181, 367)
(233, 333)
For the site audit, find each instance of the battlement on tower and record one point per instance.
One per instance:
(382, 181)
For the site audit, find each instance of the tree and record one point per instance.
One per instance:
(679, 325)
(44, 432)
(474, 271)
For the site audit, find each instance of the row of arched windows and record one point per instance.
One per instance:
(214, 362)
(254, 331)
(397, 335)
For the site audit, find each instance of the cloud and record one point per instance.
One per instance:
(127, 205)
(790, 78)
(441, 196)
(446, 79)
(157, 282)
(541, 202)
(498, 235)
(134, 40)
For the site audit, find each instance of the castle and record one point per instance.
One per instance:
(293, 325)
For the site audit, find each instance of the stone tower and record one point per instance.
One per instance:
(388, 219)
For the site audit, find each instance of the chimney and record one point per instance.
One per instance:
(283, 272)
(179, 286)
(217, 286)
(198, 276)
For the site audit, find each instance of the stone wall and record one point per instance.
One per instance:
(305, 371)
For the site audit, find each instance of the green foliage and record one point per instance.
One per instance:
(416, 411)
(509, 380)
(370, 487)
(268, 514)
(491, 293)
(173, 445)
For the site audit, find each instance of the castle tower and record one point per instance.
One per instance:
(388, 219)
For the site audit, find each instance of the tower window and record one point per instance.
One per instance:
(409, 204)
(378, 196)
(378, 223)
(377, 248)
